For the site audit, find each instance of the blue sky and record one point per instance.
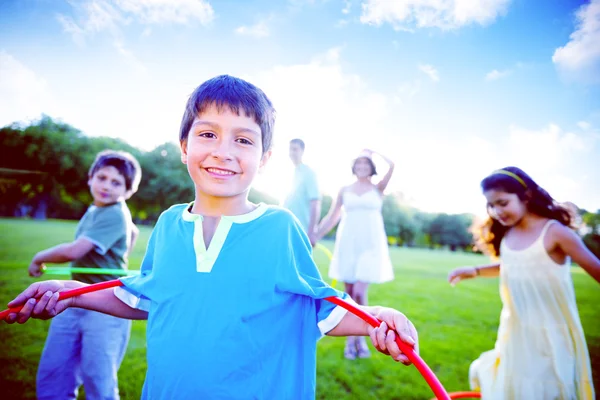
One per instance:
(450, 89)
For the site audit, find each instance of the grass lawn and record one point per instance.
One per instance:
(455, 324)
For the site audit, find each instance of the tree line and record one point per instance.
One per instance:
(44, 166)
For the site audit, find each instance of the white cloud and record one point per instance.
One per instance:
(95, 16)
(341, 23)
(258, 30)
(552, 146)
(550, 155)
(494, 75)
(100, 15)
(430, 71)
(23, 94)
(584, 125)
(70, 27)
(409, 89)
(129, 57)
(579, 59)
(168, 11)
(444, 14)
(347, 7)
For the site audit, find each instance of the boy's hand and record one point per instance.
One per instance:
(35, 269)
(459, 274)
(40, 301)
(393, 324)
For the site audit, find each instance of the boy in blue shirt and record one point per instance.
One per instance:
(83, 346)
(234, 302)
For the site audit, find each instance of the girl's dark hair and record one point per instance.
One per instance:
(371, 164)
(489, 234)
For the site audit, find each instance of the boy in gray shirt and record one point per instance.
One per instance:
(87, 347)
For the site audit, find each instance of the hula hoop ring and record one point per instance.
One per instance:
(464, 395)
(426, 372)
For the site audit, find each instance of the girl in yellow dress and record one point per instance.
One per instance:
(540, 351)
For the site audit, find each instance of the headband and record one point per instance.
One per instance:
(512, 175)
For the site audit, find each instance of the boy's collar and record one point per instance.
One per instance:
(239, 219)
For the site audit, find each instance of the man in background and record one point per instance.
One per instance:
(304, 199)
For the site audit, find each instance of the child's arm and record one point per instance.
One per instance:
(62, 253)
(459, 274)
(135, 232)
(572, 245)
(383, 340)
(47, 304)
(332, 217)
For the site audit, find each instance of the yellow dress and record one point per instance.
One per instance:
(540, 351)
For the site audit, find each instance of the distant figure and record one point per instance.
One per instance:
(83, 346)
(361, 254)
(304, 199)
(540, 352)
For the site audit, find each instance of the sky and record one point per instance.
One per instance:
(449, 89)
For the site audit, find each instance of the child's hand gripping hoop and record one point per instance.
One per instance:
(423, 368)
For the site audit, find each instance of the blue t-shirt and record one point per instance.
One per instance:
(239, 320)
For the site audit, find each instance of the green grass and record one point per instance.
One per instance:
(455, 324)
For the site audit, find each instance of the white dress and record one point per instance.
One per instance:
(540, 351)
(361, 249)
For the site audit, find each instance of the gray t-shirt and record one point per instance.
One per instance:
(109, 228)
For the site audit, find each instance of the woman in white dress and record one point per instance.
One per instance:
(361, 254)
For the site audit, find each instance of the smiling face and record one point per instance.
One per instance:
(362, 168)
(506, 208)
(107, 186)
(223, 153)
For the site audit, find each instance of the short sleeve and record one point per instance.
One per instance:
(108, 226)
(300, 275)
(132, 291)
(312, 186)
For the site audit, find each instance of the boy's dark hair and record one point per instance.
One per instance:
(235, 94)
(371, 164)
(124, 162)
(299, 142)
(489, 235)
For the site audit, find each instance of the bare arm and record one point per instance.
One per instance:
(459, 274)
(572, 245)
(106, 302)
(332, 217)
(135, 232)
(488, 271)
(61, 253)
(351, 325)
(382, 185)
(40, 300)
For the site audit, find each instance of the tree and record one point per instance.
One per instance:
(592, 237)
(451, 230)
(591, 221)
